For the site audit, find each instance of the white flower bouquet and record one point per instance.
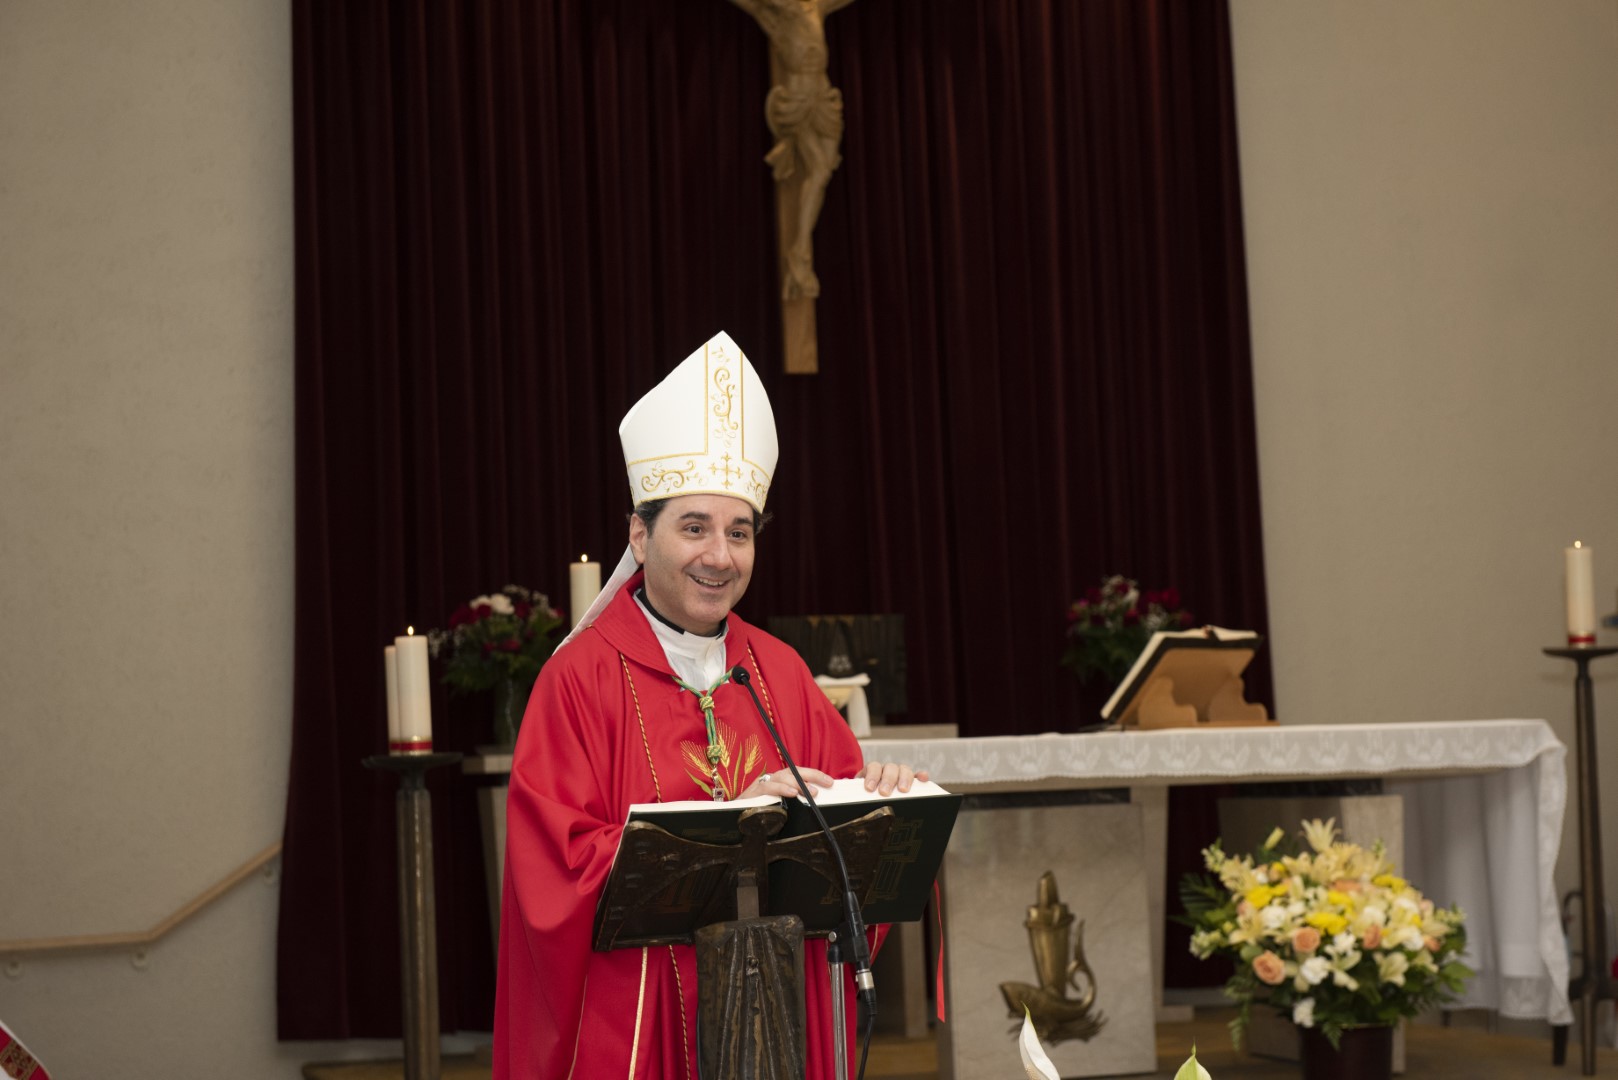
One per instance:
(1330, 936)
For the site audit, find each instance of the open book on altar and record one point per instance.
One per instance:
(700, 838)
(1188, 678)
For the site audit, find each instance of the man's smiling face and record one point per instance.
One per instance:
(698, 558)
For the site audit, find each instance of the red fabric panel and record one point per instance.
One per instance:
(513, 217)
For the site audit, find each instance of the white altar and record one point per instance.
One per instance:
(1483, 804)
(1482, 810)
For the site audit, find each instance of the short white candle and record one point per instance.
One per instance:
(1581, 597)
(584, 581)
(390, 671)
(415, 694)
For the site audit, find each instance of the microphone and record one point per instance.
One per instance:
(864, 981)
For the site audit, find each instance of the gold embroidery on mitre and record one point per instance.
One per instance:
(757, 485)
(724, 470)
(723, 400)
(740, 762)
(670, 479)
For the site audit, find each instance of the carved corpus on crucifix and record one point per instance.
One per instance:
(805, 114)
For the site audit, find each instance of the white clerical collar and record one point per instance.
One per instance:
(696, 659)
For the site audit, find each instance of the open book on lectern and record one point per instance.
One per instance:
(1188, 678)
(896, 888)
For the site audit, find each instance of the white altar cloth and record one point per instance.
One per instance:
(1483, 812)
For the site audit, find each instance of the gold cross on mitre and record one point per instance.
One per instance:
(805, 114)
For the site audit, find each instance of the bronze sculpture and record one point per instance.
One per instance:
(1056, 1016)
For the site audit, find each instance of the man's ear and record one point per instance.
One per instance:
(637, 538)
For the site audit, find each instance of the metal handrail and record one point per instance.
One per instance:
(140, 940)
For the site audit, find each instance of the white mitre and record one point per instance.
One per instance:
(706, 429)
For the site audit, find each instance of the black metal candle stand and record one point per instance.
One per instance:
(1594, 983)
(418, 934)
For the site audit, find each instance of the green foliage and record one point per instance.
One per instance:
(1109, 626)
(507, 635)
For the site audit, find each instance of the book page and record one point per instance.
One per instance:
(699, 805)
(852, 790)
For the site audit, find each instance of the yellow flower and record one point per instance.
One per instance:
(1320, 834)
(1260, 895)
(1275, 837)
(1329, 922)
(1389, 881)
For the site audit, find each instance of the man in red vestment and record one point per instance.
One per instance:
(638, 707)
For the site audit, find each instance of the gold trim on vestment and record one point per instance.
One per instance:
(679, 986)
(644, 742)
(640, 1007)
(578, 1034)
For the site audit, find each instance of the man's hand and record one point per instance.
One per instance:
(781, 784)
(885, 777)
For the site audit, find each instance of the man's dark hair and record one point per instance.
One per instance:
(650, 510)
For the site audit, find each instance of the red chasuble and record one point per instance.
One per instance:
(607, 727)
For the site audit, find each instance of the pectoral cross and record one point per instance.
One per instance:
(805, 114)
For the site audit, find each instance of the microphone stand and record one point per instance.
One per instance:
(839, 1008)
(864, 981)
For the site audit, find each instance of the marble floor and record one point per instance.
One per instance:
(1432, 1051)
(1438, 1053)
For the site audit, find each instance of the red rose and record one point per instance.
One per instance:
(511, 644)
(522, 608)
(463, 614)
(483, 611)
(1170, 598)
(1131, 617)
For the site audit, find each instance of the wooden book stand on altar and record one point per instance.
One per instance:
(747, 905)
(1189, 679)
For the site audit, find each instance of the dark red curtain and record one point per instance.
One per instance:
(514, 217)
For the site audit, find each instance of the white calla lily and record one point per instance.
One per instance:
(1034, 1059)
(1192, 1069)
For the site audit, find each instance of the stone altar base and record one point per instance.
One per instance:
(990, 877)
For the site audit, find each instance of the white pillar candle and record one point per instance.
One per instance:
(584, 582)
(1581, 597)
(415, 695)
(390, 670)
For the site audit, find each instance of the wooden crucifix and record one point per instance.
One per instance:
(805, 114)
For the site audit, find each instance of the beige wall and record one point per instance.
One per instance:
(145, 521)
(1431, 195)
(1433, 242)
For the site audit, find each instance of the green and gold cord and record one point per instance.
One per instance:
(717, 754)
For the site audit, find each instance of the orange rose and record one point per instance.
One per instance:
(1373, 936)
(1268, 967)
(1305, 940)
(1432, 943)
(1348, 885)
